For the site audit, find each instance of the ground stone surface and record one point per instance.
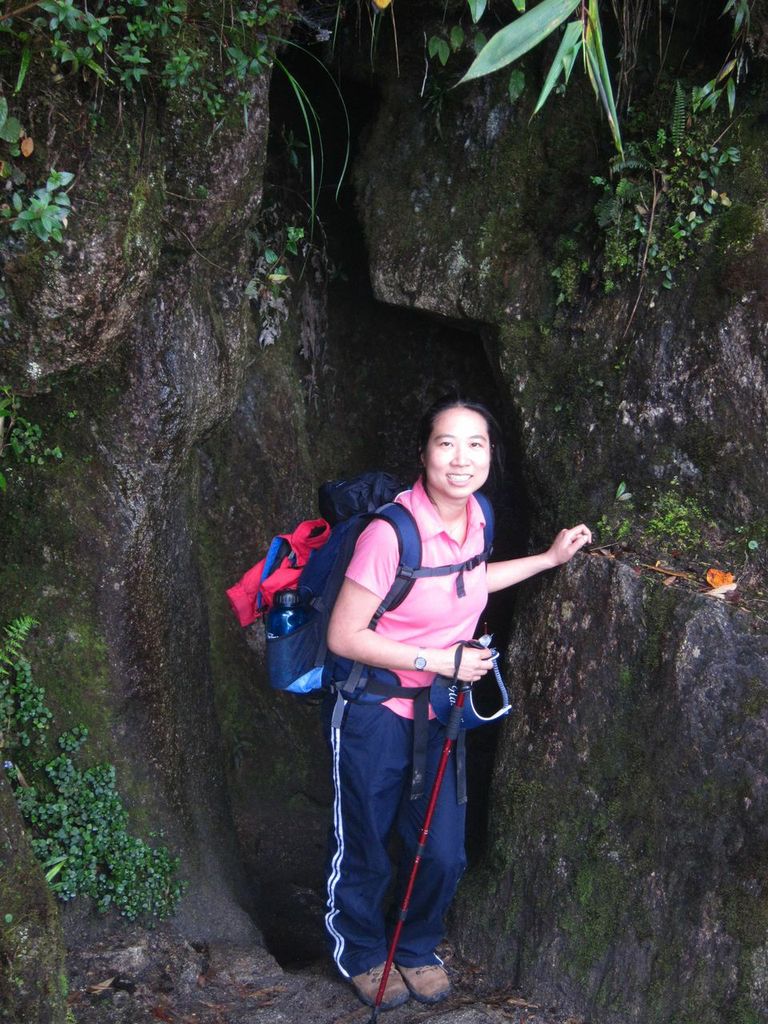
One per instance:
(160, 977)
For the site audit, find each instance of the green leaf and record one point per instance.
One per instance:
(570, 45)
(741, 13)
(26, 57)
(457, 37)
(11, 130)
(520, 5)
(516, 85)
(54, 865)
(519, 37)
(730, 91)
(3, 111)
(477, 9)
(437, 47)
(479, 41)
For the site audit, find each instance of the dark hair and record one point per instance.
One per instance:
(455, 401)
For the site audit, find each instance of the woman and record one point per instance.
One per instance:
(458, 444)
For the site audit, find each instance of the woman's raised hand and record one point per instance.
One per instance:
(568, 542)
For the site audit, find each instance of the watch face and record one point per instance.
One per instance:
(420, 663)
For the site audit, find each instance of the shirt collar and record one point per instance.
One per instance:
(430, 523)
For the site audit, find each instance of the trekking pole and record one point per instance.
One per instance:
(451, 734)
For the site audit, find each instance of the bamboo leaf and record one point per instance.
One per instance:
(604, 92)
(519, 4)
(594, 41)
(519, 37)
(477, 9)
(731, 94)
(564, 60)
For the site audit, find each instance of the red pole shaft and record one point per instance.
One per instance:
(435, 793)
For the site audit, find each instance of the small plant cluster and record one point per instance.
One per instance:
(22, 704)
(568, 269)
(128, 42)
(662, 198)
(20, 438)
(76, 814)
(275, 245)
(44, 213)
(616, 524)
(679, 526)
(670, 519)
(676, 521)
(130, 45)
(455, 39)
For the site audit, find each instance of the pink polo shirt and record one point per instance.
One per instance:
(432, 615)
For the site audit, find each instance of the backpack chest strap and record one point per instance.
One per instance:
(407, 575)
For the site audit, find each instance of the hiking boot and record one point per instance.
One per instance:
(367, 987)
(428, 984)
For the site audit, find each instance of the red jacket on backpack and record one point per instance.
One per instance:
(252, 596)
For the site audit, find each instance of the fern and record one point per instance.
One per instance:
(607, 210)
(679, 116)
(630, 162)
(627, 191)
(16, 634)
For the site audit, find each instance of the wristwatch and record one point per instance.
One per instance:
(419, 662)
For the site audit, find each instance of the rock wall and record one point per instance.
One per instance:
(628, 802)
(466, 223)
(625, 874)
(139, 329)
(31, 942)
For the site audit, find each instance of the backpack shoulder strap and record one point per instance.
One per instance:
(409, 548)
(409, 545)
(490, 522)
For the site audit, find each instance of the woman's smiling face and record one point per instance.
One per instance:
(457, 458)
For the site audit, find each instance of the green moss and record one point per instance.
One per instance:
(141, 241)
(593, 918)
(738, 228)
(756, 698)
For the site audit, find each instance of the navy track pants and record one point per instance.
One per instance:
(372, 763)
